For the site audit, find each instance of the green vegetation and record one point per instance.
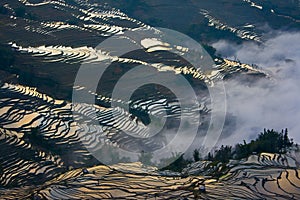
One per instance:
(175, 163)
(223, 154)
(196, 155)
(269, 141)
(179, 164)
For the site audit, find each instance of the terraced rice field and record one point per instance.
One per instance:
(25, 162)
(48, 142)
(267, 176)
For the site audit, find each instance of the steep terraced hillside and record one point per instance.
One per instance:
(54, 145)
(267, 176)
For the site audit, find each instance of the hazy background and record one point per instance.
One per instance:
(266, 103)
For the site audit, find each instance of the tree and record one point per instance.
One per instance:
(223, 154)
(179, 164)
(242, 151)
(210, 157)
(196, 155)
(269, 141)
(286, 143)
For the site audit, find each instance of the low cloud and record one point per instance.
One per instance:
(265, 103)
